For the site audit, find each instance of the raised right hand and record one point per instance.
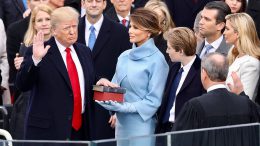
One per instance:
(38, 46)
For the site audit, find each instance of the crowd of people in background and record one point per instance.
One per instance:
(180, 62)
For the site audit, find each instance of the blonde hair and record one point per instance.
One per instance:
(248, 41)
(182, 38)
(31, 31)
(157, 4)
(63, 14)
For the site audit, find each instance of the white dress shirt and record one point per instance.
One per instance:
(126, 18)
(97, 26)
(214, 44)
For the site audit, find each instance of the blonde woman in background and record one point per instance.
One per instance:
(245, 54)
(166, 22)
(39, 21)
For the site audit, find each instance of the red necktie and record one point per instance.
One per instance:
(74, 80)
(124, 22)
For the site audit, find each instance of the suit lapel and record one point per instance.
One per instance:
(19, 5)
(102, 38)
(83, 63)
(57, 60)
(192, 73)
(174, 70)
(81, 29)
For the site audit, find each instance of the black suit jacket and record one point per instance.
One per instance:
(111, 41)
(50, 110)
(191, 87)
(15, 36)
(11, 11)
(184, 11)
(254, 11)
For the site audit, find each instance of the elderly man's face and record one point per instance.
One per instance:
(66, 32)
(56, 3)
(122, 5)
(34, 3)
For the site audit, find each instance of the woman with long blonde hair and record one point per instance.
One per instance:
(39, 21)
(245, 54)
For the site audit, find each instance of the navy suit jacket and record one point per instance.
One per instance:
(191, 87)
(184, 11)
(111, 41)
(50, 110)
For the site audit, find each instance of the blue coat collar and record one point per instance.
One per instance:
(146, 49)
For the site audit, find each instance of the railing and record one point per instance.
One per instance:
(236, 135)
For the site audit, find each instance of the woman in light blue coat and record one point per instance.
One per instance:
(143, 71)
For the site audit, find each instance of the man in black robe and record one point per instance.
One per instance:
(218, 107)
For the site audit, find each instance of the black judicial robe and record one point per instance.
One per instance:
(216, 108)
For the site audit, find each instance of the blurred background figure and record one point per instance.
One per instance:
(184, 12)
(12, 11)
(236, 6)
(142, 70)
(254, 11)
(4, 67)
(196, 30)
(120, 11)
(245, 54)
(166, 22)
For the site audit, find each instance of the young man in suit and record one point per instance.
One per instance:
(121, 11)
(107, 40)
(182, 85)
(211, 26)
(59, 71)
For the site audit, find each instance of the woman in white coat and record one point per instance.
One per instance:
(245, 53)
(142, 70)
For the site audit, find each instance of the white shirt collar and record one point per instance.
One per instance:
(213, 87)
(97, 25)
(62, 48)
(216, 43)
(121, 18)
(188, 66)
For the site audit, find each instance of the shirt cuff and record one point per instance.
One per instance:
(35, 61)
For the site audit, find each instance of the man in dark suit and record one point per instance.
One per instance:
(60, 75)
(107, 41)
(218, 107)
(254, 11)
(181, 49)
(211, 26)
(11, 11)
(184, 12)
(121, 11)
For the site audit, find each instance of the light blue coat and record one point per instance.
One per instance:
(143, 72)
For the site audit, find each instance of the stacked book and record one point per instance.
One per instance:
(104, 93)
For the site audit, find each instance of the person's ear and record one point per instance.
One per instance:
(221, 26)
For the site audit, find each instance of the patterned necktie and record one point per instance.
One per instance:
(124, 22)
(74, 80)
(172, 95)
(92, 37)
(208, 47)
